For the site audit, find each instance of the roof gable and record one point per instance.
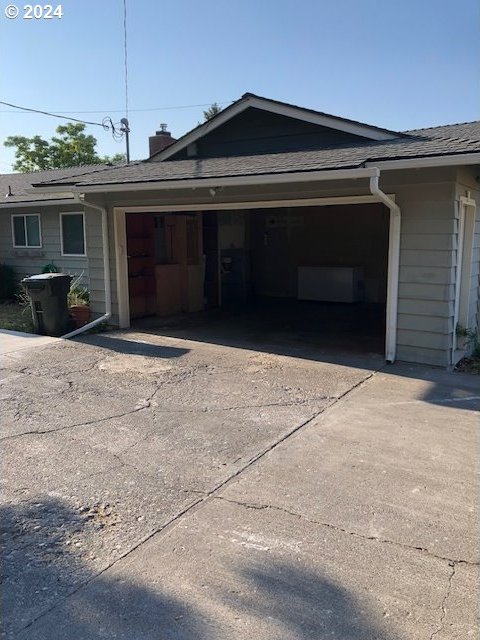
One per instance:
(326, 125)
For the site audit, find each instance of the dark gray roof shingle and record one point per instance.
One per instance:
(19, 183)
(436, 141)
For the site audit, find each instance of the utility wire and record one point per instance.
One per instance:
(182, 106)
(54, 115)
(125, 51)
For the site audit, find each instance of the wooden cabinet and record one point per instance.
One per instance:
(141, 264)
(165, 264)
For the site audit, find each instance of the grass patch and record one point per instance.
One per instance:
(15, 317)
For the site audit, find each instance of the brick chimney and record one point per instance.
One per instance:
(161, 140)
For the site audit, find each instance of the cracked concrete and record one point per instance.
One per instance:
(260, 507)
(444, 601)
(156, 483)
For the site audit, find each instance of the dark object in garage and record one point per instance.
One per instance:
(48, 299)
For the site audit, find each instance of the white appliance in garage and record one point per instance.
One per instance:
(330, 284)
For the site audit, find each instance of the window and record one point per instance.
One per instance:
(72, 234)
(26, 231)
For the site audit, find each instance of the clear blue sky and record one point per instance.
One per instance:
(399, 64)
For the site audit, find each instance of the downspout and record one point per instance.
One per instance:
(106, 270)
(393, 267)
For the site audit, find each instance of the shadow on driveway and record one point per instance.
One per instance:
(131, 347)
(43, 566)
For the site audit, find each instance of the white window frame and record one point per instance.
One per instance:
(73, 255)
(26, 245)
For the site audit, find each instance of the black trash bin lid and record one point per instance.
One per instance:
(46, 276)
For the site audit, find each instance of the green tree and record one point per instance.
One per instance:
(211, 111)
(70, 148)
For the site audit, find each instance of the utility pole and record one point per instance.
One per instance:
(126, 130)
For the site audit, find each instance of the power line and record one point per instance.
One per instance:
(182, 106)
(54, 115)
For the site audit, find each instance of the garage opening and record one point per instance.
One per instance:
(311, 274)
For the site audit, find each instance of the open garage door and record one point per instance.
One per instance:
(311, 274)
(316, 273)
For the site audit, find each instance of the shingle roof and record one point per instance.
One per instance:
(19, 183)
(245, 99)
(437, 141)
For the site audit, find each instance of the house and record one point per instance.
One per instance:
(37, 229)
(274, 201)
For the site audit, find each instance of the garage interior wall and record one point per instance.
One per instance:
(354, 236)
(271, 245)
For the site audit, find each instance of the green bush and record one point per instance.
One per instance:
(50, 268)
(78, 295)
(8, 282)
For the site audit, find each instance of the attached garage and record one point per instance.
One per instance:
(316, 273)
(317, 226)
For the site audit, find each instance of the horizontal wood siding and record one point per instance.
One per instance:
(427, 271)
(97, 277)
(95, 262)
(31, 261)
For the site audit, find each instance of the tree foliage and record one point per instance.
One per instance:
(71, 147)
(211, 111)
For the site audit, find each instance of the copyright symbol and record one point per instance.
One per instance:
(11, 11)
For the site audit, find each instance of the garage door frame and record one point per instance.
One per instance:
(119, 216)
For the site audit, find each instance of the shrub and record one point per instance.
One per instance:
(8, 282)
(78, 295)
(50, 268)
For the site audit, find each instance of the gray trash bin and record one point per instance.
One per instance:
(48, 298)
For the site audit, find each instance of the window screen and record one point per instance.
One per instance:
(73, 238)
(33, 231)
(26, 231)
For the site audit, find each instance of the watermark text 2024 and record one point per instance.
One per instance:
(34, 11)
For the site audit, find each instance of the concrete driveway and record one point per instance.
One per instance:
(157, 487)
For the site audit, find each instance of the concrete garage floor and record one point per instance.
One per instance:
(159, 487)
(276, 325)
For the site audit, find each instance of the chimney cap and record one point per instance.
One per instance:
(163, 130)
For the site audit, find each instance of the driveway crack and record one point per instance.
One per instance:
(260, 507)
(140, 406)
(444, 601)
(287, 403)
(202, 499)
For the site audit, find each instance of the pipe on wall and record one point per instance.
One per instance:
(393, 267)
(106, 270)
